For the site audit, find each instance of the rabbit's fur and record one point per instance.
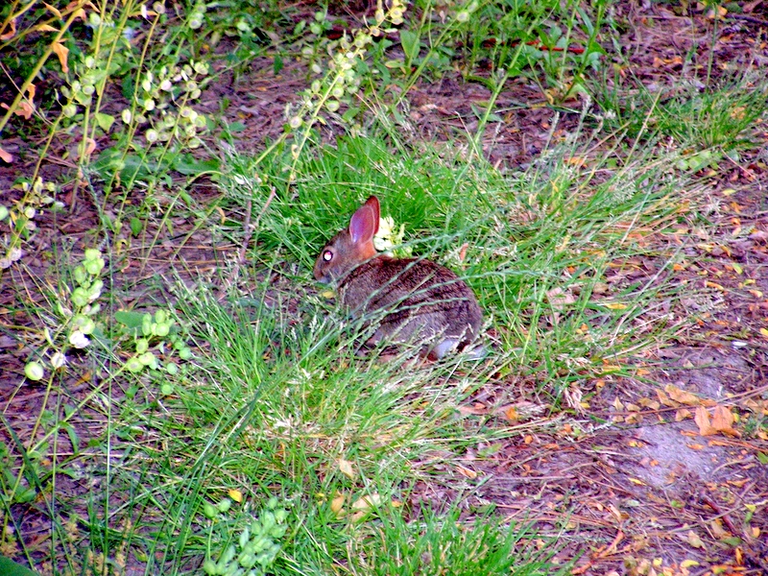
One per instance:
(418, 301)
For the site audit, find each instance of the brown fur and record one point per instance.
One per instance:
(417, 301)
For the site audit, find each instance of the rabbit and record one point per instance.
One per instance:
(417, 300)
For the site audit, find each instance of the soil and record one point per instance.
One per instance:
(638, 489)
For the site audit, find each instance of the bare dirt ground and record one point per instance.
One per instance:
(639, 490)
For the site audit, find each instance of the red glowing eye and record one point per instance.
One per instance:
(327, 255)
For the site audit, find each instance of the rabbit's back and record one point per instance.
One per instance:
(419, 299)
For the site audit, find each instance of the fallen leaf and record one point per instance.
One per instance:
(345, 466)
(337, 505)
(363, 506)
(476, 410)
(236, 495)
(694, 540)
(681, 396)
(62, 52)
(464, 471)
(559, 299)
(463, 251)
(11, 33)
(511, 414)
(367, 502)
(6, 156)
(722, 421)
(701, 417)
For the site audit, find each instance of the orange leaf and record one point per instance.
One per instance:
(463, 251)
(464, 471)
(62, 52)
(90, 146)
(54, 10)
(337, 504)
(702, 421)
(511, 414)
(24, 109)
(346, 468)
(722, 421)
(6, 156)
(681, 396)
(11, 33)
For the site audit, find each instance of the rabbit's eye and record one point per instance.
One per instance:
(328, 255)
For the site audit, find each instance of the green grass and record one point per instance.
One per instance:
(166, 459)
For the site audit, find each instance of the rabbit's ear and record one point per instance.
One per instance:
(373, 202)
(364, 224)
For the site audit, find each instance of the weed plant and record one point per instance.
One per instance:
(234, 430)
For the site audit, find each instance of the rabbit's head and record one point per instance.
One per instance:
(350, 247)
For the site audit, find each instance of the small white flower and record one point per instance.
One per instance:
(78, 339)
(58, 360)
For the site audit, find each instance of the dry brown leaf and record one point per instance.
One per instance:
(703, 422)
(476, 410)
(634, 418)
(337, 505)
(681, 396)
(346, 468)
(717, 529)
(471, 474)
(61, 51)
(53, 9)
(46, 28)
(11, 32)
(90, 146)
(463, 251)
(6, 156)
(722, 421)
(694, 540)
(367, 502)
(649, 403)
(510, 413)
(363, 506)
(559, 299)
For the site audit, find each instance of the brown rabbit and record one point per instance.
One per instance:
(418, 301)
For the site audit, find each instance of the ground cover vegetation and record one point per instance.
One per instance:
(177, 394)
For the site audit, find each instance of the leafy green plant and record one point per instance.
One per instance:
(77, 314)
(256, 546)
(151, 331)
(20, 226)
